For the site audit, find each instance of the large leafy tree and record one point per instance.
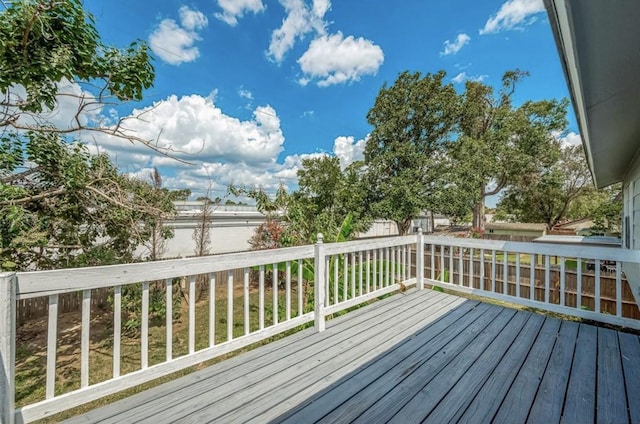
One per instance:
(412, 121)
(498, 142)
(59, 204)
(546, 192)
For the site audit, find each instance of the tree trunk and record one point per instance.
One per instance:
(479, 219)
(404, 226)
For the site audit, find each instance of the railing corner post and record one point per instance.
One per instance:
(420, 259)
(8, 281)
(319, 285)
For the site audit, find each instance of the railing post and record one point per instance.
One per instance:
(318, 284)
(420, 259)
(8, 282)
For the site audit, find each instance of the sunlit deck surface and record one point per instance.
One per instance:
(420, 356)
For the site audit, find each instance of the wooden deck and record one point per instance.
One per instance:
(421, 356)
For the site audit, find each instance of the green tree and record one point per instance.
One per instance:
(497, 142)
(412, 121)
(60, 205)
(547, 192)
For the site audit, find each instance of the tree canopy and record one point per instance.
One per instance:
(60, 205)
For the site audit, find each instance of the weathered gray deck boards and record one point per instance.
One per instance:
(415, 357)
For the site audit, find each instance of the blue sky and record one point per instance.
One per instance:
(247, 88)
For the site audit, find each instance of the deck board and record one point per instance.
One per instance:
(421, 356)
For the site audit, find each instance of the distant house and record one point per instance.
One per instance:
(514, 231)
(580, 227)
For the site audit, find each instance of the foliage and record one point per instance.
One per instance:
(545, 193)
(412, 121)
(498, 142)
(267, 235)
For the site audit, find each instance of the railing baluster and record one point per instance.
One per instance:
(117, 328)
(327, 281)
(212, 309)
(442, 263)
(300, 294)
(407, 257)
(432, 247)
(275, 294)
(505, 272)
(562, 281)
(229, 305)
(336, 266)
(388, 255)
(517, 275)
(261, 298)
(482, 287)
(579, 283)
(532, 277)
(345, 276)
(85, 341)
(169, 319)
(547, 278)
(144, 331)
(597, 289)
(287, 291)
(368, 271)
(246, 301)
(353, 275)
(375, 272)
(52, 338)
(451, 249)
(471, 263)
(618, 289)
(192, 314)
(493, 271)
(460, 267)
(360, 267)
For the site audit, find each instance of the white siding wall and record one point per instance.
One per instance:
(631, 224)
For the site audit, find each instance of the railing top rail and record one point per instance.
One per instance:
(368, 244)
(44, 283)
(551, 249)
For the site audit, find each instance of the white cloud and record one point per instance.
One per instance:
(245, 94)
(174, 43)
(234, 9)
(570, 139)
(348, 150)
(301, 20)
(192, 20)
(453, 47)
(462, 77)
(332, 59)
(513, 14)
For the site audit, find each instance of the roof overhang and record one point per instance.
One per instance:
(599, 46)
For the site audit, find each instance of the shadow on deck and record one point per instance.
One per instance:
(421, 356)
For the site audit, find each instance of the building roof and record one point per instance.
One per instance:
(598, 45)
(515, 226)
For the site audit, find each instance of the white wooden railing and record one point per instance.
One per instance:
(586, 282)
(341, 275)
(581, 281)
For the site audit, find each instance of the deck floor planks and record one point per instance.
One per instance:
(470, 364)
(168, 395)
(232, 391)
(630, 354)
(400, 395)
(518, 400)
(322, 369)
(581, 391)
(497, 360)
(421, 355)
(547, 406)
(377, 394)
(611, 407)
(392, 366)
